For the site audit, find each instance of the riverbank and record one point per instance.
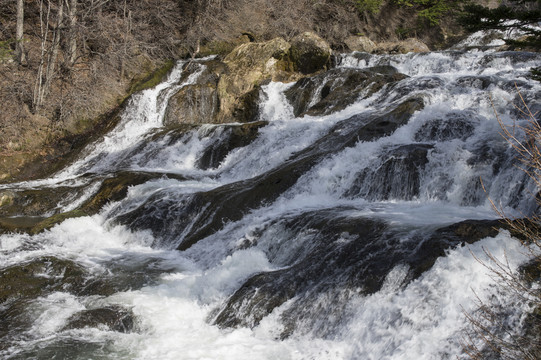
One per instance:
(116, 48)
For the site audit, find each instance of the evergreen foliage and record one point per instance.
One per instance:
(429, 10)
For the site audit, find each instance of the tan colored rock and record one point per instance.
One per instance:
(230, 94)
(360, 43)
(402, 47)
(251, 62)
(249, 66)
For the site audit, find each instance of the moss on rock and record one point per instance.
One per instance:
(152, 79)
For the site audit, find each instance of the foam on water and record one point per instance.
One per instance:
(422, 320)
(175, 305)
(143, 113)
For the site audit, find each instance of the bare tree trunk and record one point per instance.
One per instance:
(44, 31)
(127, 22)
(72, 47)
(53, 51)
(73, 32)
(19, 49)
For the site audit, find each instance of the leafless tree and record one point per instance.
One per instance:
(19, 49)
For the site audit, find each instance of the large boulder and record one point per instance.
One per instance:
(309, 53)
(228, 91)
(249, 66)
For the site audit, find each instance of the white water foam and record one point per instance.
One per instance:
(422, 320)
(419, 320)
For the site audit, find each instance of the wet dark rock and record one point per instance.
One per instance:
(18, 224)
(470, 231)
(476, 82)
(116, 187)
(341, 256)
(527, 102)
(332, 262)
(44, 275)
(514, 57)
(114, 318)
(39, 277)
(21, 284)
(234, 136)
(13, 319)
(336, 89)
(454, 125)
(357, 55)
(61, 347)
(489, 154)
(531, 271)
(113, 188)
(36, 202)
(531, 330)
(464, 232)
(397, 177)
(414, 86)
(51, 221)
(192, 217)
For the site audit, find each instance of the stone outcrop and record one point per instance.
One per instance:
(249, 65)
(228, 91)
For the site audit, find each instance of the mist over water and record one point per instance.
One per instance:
(325, 237)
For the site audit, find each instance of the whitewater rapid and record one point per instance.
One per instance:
(177, 298)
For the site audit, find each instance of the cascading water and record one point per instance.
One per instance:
(327, 235)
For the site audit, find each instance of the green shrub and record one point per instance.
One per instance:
(430, 11)
(5, 50)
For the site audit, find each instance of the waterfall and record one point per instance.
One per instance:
(327, 233)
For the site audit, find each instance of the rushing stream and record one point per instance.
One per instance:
(312, 233)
